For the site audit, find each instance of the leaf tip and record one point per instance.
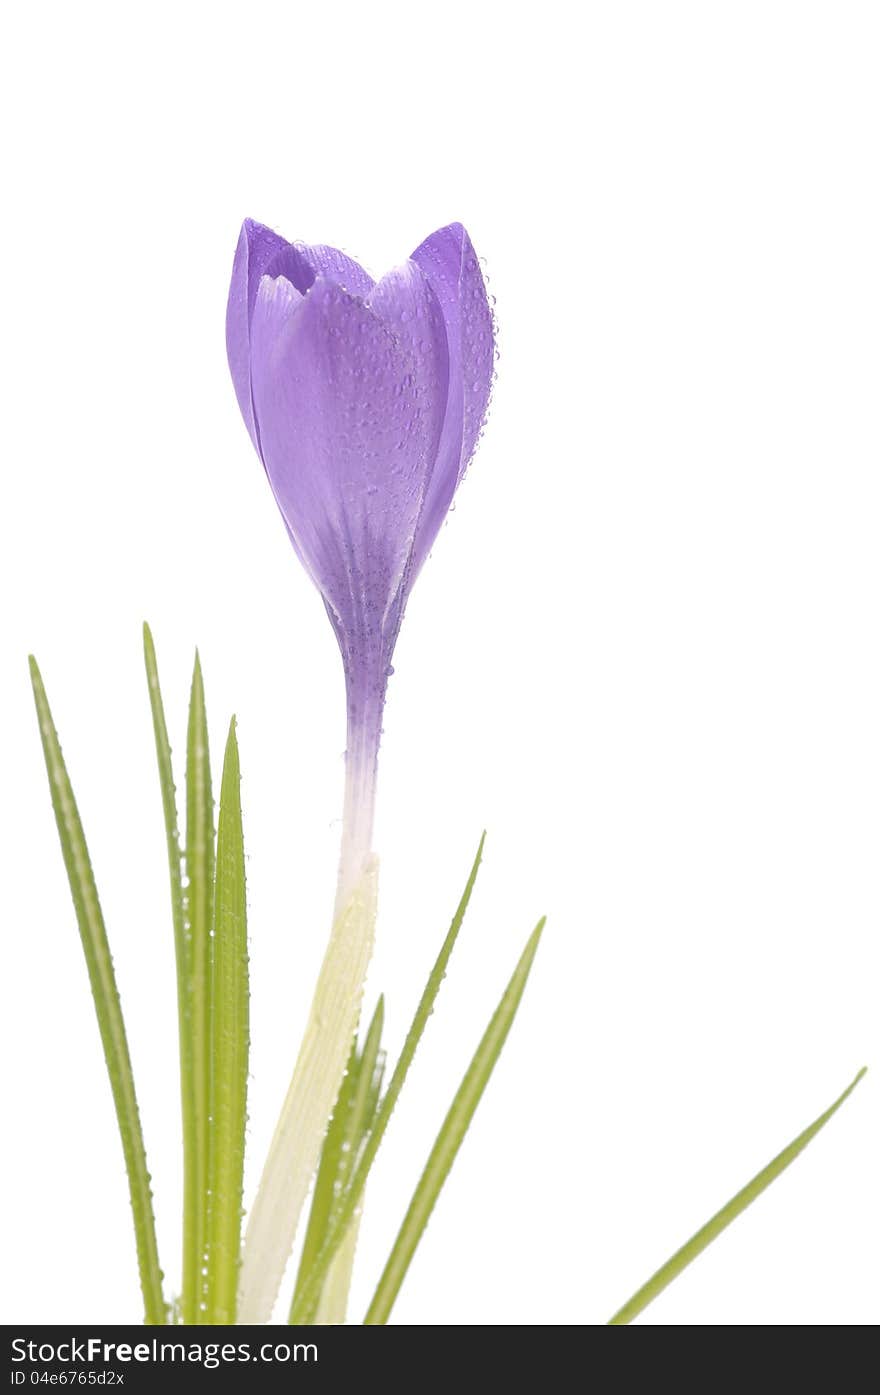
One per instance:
(532, 943)
(230, 756)
(36, 677)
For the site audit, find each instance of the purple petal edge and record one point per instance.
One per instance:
(451, 265)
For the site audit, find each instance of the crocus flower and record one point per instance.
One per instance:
(365, 401)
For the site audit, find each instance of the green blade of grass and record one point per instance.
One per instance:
(333, 1304)
(352, 1116)
(324, 1193)
(723, 1218)
(310, 1290)
(198, 911)
(363, 1101)
(107, 1005)
(450, 1137)
(169, 802)
(375, 1094)
(229, 1050)
(183, 954)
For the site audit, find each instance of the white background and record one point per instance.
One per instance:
(644, 654)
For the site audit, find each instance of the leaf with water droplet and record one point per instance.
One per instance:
(307, 1293)
(451, 1137)
(229, 1049)
(108, 1008)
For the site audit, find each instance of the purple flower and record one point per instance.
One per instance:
(364, 401)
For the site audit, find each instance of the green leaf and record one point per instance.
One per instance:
(364, 1096)
(193, 1184)
(333, 1306)
(107, 1006)
(450, 1138)
(198, 911)
(324, 1194)
(310, 1289)
(374, 1096)
(229, 1050)
(723, 1218)
(353, 1115)
(331, 1310)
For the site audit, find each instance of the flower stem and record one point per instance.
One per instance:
(333, 1018)
(359, 802)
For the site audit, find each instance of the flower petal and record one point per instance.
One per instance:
(300, 263)
(257, 246)
(349, 424)
(405, 301)
(450, 263)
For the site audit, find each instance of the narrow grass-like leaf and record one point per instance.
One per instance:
(375, 1095)
(107, 1005)
(182, 949)
(166, 785)
(229, 1050)
(324, 1194)
(310, 1289)
(198, 911)
(450, 1138)
(333, 1303)
(723, 1218)
(363, 1099)
(352, 1116)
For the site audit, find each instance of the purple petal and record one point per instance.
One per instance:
(261, 251)
(257, 246)
(405, 301)
(349, 419)
(448, 260)
(335, 266)
(300, 264)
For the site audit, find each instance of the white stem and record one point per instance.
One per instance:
(333, 1019)
(293, 1154)
(357, 810)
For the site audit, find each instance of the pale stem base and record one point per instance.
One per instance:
(333, 1019)
(296, 1145)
